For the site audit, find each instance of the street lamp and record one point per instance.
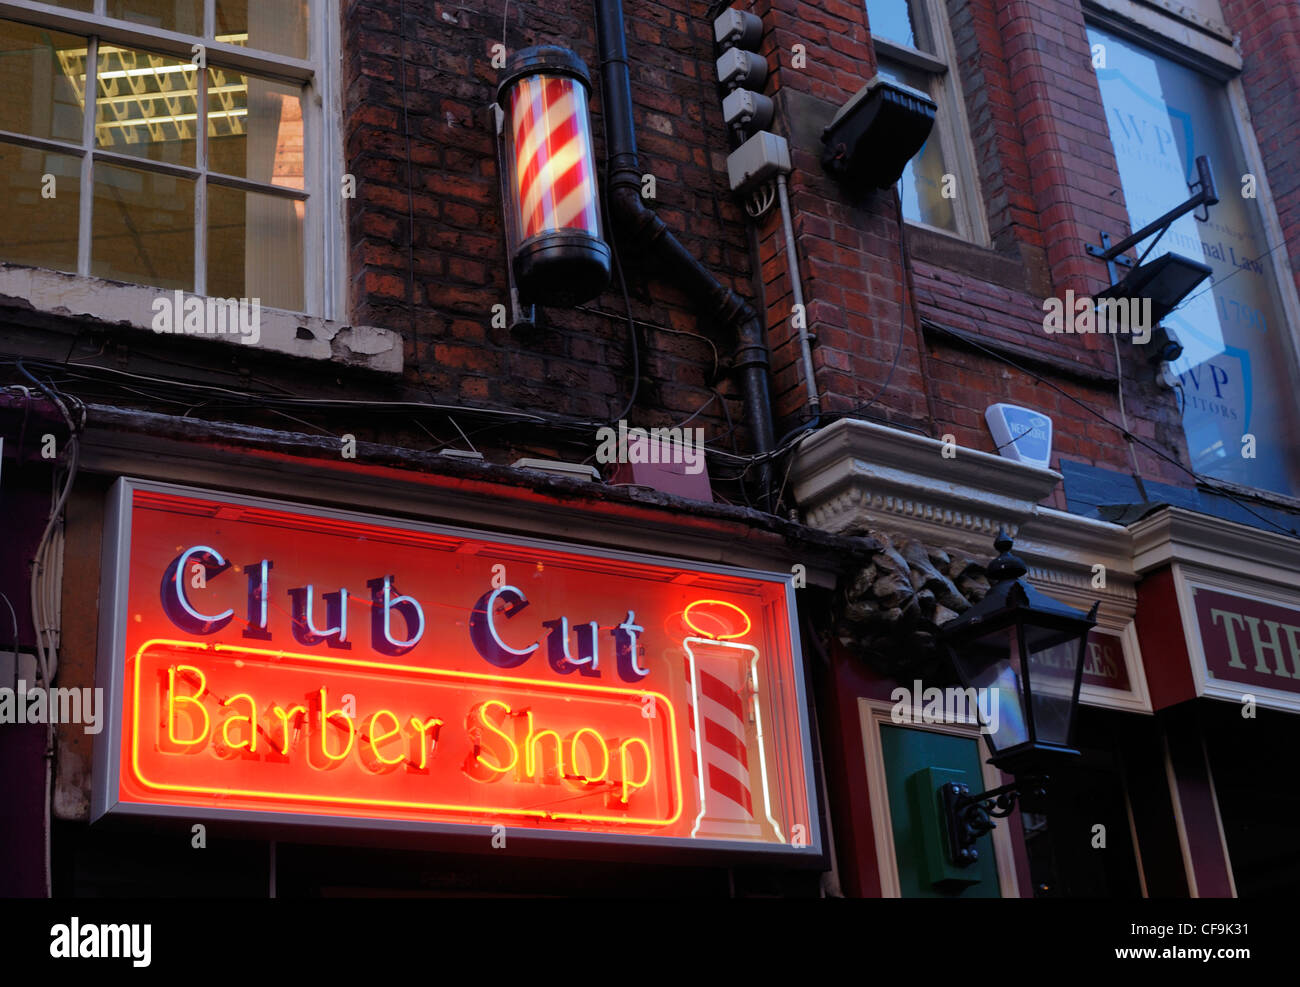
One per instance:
(1025, 651)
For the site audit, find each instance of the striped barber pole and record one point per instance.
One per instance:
(729, 768)
(553, 156)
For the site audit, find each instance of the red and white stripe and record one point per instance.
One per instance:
(553, 156)
(733, 804)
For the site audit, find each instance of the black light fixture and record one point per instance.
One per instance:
(1167, 280)
(1170, 278)
(1025, 651)
(873, 136)
(552, 202)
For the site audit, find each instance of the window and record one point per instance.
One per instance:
(1237, 372)
(171, 143)
(939, 187)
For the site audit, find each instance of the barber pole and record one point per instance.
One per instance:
(552, 197)
(727, 743)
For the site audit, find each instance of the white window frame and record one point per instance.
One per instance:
(324, 287)
(950, 125)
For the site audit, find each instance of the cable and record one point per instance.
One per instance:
(697, 412)
(1214, 284)
(259, 400)
(410, 191)
(43, 585)
(726, 413)
(631, 334)
(902, 320)
(658, 328)
(780, 492)
(796, 288)
(627, 300)
(760, 201)
(1123, 417)
(1013, 440)
(1132, 438)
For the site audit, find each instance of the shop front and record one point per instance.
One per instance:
(362, 679)
(1219, 604)
(904, 725)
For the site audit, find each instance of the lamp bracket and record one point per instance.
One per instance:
(967, 817)
(1204, 194)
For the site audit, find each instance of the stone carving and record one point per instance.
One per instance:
(889, 610)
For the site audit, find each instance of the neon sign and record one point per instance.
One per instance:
(271, 662)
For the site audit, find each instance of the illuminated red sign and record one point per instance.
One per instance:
(274, 662)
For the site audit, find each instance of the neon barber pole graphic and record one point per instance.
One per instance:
(727, 726)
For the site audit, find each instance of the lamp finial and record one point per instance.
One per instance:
(1005, 567)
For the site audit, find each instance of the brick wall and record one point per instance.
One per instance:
(580, 362)
(1270, 46)
(1047, 181)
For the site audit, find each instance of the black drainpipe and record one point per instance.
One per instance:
(642, 225)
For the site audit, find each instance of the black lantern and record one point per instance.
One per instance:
(1026, 649)
(552, 206)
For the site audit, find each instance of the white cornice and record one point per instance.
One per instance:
(1062, 551)
(854, 474)
(1177, 535)
(857, 475)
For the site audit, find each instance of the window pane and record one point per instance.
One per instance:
(185, 16)
(1237, 370)
(255, 247)
(146, 105)
(921, 186)
(255, 128)
(143, 227)
(902, 21)
(42, 76)
(86, 5)
(271, 25)
(40, 194)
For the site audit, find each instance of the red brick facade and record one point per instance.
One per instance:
(1047, 179)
